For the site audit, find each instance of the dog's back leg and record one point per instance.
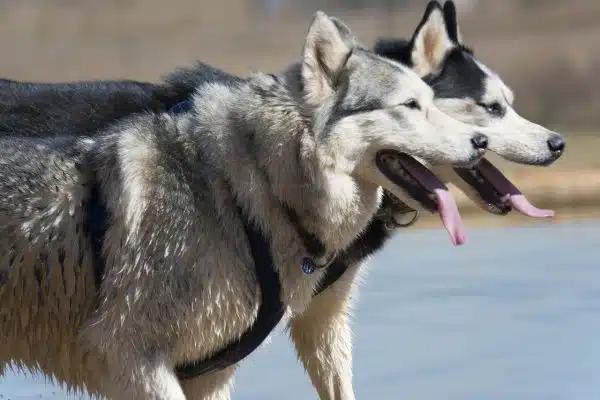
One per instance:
(215, 386)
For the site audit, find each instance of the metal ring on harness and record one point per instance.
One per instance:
(392, 222)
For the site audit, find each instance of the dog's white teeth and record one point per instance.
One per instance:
(505, 198)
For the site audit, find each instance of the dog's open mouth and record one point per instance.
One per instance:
(422, 185)
(498, 194)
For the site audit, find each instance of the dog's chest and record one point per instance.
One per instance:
(344, 219)
(216, 324)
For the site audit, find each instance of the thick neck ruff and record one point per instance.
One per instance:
(271, 309)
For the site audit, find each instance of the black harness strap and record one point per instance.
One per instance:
(313, 245)
(334, 272)
(94, 227)
(270, 312)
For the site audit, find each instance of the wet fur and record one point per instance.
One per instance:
(322, 335)
(124, 344)
(162, 299)
(459, 76)
(81, 109)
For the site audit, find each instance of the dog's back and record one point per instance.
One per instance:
(184, 81)
(85, 107)
(77, 108)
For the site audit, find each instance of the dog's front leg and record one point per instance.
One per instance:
(215, 386)
(322, 337)
(140, 379)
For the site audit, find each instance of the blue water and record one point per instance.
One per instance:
(515, 314)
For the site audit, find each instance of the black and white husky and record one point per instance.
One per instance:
(469, 91)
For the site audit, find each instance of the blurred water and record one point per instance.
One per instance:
(515, 314)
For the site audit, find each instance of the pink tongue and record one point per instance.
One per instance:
(505, 187)
(445, 201)
(521, 204)
(450, 216)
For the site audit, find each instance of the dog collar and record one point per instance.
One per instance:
(317, 257)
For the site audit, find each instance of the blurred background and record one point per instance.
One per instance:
(546, 50)
(512, 315)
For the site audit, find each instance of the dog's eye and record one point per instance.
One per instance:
(412, 104)
(494, 109)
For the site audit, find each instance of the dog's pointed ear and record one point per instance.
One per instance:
(329, 44)
(431, 41)
(452, 22)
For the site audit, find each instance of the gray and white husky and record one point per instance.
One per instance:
(127, 254)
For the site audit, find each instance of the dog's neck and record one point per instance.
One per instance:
(270, 130)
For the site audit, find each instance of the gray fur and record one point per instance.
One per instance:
(179, 281)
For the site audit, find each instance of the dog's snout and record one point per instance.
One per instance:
(556, 144)
(479, 141)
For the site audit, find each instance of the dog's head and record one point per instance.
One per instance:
(370, 115)
(467, 90)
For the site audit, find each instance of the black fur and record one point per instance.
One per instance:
(460, 77)
(83, 108)
(396, 49)
(58, 109)
(451, 21)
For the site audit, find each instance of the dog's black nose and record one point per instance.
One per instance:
(479, 141)
(556, 144)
